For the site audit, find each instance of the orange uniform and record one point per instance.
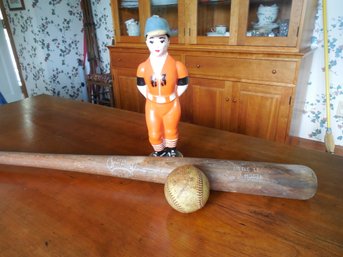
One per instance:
(162, 109)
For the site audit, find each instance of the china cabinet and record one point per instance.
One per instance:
(246, 59)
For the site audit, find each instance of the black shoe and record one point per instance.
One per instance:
(171, 152)
(162, 153)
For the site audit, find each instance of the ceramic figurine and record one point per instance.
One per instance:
(267, 14)
(161, 80)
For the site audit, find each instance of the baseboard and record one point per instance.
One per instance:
(312, 144)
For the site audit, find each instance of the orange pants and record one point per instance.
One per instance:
(162, 120)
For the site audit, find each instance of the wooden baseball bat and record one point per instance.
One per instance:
(258, 178)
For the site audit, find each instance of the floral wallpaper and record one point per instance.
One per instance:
(49, 40)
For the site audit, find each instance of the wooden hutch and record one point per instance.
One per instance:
(244, 81)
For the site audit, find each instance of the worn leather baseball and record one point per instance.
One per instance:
(187, 189)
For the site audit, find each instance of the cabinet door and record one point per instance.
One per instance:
(126, 14)
(261, 110)
(211, 104)
(129, 18)
(208, 21)
(269, 23)
(127, 96)
(173, 12)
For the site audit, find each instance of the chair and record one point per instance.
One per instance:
(100, 89)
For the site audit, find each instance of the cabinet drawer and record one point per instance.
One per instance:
(243, 69)
(127, 60)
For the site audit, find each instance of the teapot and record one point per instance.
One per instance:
(132, 27)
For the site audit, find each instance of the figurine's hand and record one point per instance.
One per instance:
(143, 90)
(181, 90)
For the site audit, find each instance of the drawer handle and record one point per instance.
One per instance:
(227, 99)
(234, 100)
(198, 66)
(274, 71)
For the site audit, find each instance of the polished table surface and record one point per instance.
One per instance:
(54, 213)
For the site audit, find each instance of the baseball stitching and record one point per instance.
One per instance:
(174, 201)
(200, 190)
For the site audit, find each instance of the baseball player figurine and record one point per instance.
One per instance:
(161, 80)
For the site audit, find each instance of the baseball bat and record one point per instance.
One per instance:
(257, 178)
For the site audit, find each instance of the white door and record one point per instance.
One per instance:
(10, 86)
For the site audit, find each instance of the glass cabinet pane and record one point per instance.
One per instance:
(269, 18)
(167, 9)
(213, 18)
(129, 17)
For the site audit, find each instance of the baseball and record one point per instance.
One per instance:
(187, 189)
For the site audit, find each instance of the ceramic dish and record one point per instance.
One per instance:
(215, 34)
(270, 26)
(164, 2)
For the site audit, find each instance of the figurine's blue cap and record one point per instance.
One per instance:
(156, 26)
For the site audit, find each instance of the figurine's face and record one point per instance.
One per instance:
(158, 45)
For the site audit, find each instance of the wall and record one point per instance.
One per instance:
(49, 38)
(313, 124)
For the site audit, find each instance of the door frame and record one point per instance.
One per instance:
(14, 50)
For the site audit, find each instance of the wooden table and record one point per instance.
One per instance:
(54, 213)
